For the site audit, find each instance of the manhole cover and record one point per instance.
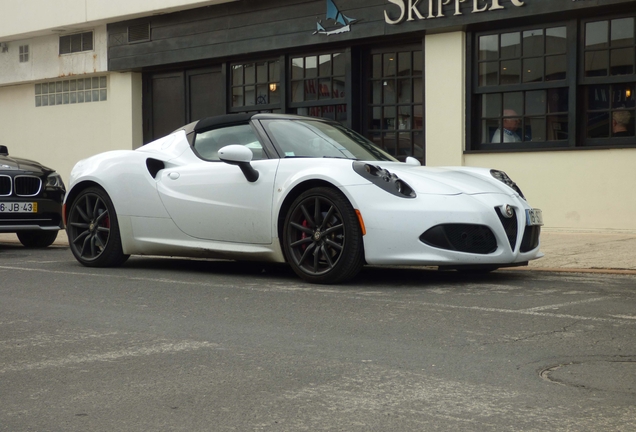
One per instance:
(617, 375)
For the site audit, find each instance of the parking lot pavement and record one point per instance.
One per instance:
(565, 250)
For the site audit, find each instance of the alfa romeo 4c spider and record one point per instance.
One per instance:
(298, 190)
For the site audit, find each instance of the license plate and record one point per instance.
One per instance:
(534, 217)
(18, 207)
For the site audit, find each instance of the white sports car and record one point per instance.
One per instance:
(300, 190)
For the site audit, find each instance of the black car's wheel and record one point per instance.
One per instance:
(37, 239)
(322, 237)
(93, 230)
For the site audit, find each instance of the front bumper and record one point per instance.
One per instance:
(48, 217)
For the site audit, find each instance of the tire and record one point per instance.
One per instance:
(37, 239)
(93, 230)
(322, 238)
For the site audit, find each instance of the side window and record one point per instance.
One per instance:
(207, 144)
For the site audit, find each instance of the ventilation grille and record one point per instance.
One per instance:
(510, 226)
(27, 185)
(478, 239)
(139, 33)
(5, 185)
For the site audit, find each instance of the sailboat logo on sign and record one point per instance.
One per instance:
(342, 23)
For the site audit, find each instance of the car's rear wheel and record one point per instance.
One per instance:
(322, 237)
(37, 239)
(93, 230)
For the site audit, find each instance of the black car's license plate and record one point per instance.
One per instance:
(19, 207)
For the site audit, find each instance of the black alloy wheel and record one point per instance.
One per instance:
(93, 230)
(322, 238)
(37, 239)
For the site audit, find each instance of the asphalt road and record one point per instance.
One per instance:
(185, 345)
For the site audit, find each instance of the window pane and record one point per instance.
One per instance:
(377, 66)
(389, 117)
(325, 88)
(388, 87)
(418, 63)
(297, 68)
(622, 61)
(311, 67)
(261, 72)
(404, 64)
(491, 131)
(489, 47)
(311, 90)
(533, 70)
(510, 45)
(510, 71)
(274, 93)
(596, 35)
(555, 67)
(38, 89)
(513, 102)
(598, 125)
(623, 95)
(557, 128)
(405, 117)
(535, 102)
(339, 64)
(87, 41)
(491, 105)
(404, 91)
(556, 40)
(535, 129)
(58, 86)
(417, 90)
(533, 43)
(558, 100)
(325, 65)
(596, 63)
(274, 71)
(262, 94)
(250, 73)
(76, 43)
(250, 95)
(298, 92)
(237, 97)
(376, 89)
(488, 73)
(623, 123)
(389, 67)
(597, 98)
(622, 32)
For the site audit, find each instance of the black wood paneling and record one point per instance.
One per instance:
(252, 27)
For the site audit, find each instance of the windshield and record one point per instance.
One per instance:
(317, 139)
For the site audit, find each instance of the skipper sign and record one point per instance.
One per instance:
(411, 10)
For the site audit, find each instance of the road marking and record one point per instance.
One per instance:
(165, 348)
(257, 286)
(572, 303)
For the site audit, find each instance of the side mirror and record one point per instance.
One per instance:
(412, 161)
(4, 151)
(236, 154)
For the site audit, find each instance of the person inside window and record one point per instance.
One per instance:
(620, 123)
(511, 124)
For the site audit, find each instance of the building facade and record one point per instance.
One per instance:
(542, 89)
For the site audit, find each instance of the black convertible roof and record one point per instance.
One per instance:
(222, 121)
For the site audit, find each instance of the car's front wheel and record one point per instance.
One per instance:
(322, 237)
(93, 230)
(37, 239)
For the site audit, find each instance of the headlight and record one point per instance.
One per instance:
(54, 180)
(503, 177)
(384, 179)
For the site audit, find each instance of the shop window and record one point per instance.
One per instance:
(609, 78)
(395, 102)
(528, 93)
(318, 87)
(522, 93)
(255, 86)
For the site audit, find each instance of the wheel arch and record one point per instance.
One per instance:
(72, 194)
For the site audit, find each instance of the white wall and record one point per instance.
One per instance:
(20, 19)
(445, 75)
(576, 189)
(59, 136)
(45, 61)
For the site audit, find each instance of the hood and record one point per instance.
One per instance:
(448, 180)
(12, 164)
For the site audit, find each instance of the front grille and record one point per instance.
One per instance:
(5, 185)
(469, 238)
(509, 225)
(530, 238)
(27, 185)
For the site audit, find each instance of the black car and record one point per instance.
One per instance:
(31, 197)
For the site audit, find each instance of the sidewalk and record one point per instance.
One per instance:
(565, 251)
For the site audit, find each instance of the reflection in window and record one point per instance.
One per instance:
(395, 113)
(609, 47)
(610, 110)
(207, 144)
(255, 84)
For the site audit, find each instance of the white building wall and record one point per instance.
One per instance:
(576, 189)
(45, 62)
(61, 135)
